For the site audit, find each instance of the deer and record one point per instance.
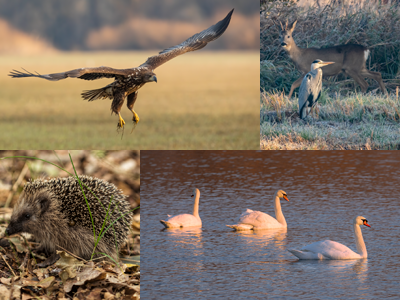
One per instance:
(349, 59)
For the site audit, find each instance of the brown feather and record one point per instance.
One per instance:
(195, 42)
(82, 73)
(129, 81)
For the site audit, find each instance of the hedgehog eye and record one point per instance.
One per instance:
(27, 216)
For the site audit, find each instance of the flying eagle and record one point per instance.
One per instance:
(129, 81)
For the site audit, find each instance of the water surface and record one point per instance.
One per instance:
(326, 191)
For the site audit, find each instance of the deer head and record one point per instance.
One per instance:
(285, 36)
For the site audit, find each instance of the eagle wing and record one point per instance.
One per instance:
(82, 73)
(196, 42)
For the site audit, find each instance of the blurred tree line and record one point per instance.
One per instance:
(66, 24)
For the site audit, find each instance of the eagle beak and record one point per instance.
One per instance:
(153, 78)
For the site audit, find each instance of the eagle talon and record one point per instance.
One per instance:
(121, 122)
(135, 118)
(127, 82)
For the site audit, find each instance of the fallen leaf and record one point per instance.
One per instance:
(115, 269)
(16, 292)
(108, 296)
(40, 273)
(4, 293)
(6, 281)
(68, 264)
(67, 260)
(95, 294)
(87, 274)
(45, 283)
(17, 242)
(120, 284)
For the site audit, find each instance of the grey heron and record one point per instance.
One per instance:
(310, 88)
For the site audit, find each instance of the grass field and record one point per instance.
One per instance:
(203, 100)
(345, 118)
(353, 122)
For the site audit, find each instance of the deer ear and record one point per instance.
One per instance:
(283, 29)
(292, 26)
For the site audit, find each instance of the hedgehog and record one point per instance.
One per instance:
(55, 212)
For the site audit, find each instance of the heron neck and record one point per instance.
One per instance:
(314, 67)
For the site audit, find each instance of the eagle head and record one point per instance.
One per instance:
(149, 77)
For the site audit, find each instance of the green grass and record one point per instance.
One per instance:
(345, 118)
(352, 122)
(204, 100)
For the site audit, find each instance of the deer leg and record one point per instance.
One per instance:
(377, 77)
(362, 83)
(295, 84)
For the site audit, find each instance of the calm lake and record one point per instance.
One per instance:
(326, 190)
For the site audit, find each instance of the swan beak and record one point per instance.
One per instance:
(366, 224)
(285, 197)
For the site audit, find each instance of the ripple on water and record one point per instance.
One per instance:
(326, 191)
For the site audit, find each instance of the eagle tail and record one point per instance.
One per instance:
(103, 93)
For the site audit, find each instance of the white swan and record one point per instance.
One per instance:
(258, 220)
(185, 220)
(333, 250)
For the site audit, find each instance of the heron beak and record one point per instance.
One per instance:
(366, 224)
(325, 63)
(285, 197)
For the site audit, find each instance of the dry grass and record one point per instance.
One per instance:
(341, 22)
(204, 100)
(344, 119)
(353, 122)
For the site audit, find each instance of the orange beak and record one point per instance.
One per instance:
(285, 197)
(366, 224)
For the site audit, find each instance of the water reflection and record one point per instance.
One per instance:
(326, 190)
(264, 237)
(337, 268)
(185, 235)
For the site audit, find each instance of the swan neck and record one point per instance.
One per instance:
(278, 210)
(361, 248)
(196, 205)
